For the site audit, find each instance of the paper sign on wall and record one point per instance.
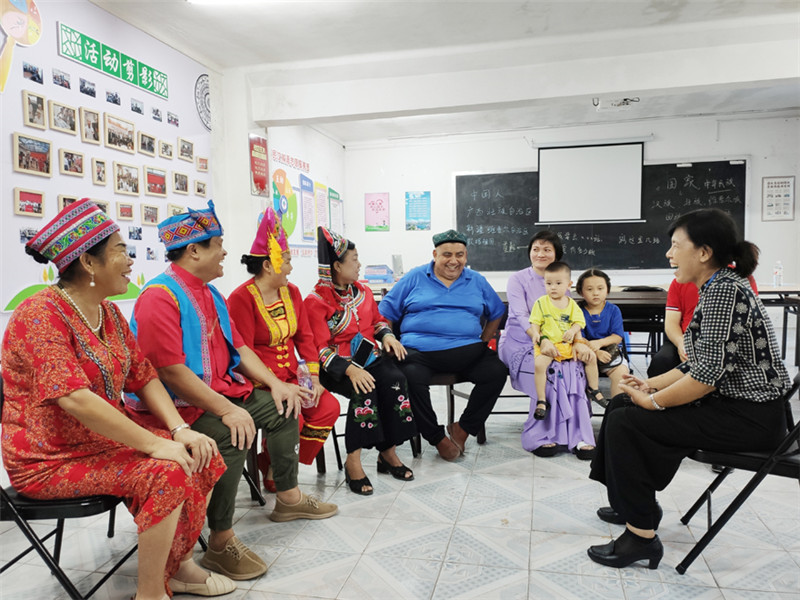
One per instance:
(376, 211)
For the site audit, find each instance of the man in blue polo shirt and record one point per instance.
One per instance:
(447, 314)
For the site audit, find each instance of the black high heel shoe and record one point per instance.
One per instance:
(396, 472)
(627, 549)
(357, 485)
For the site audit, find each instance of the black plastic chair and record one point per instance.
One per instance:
(784, 461)
(21, 510)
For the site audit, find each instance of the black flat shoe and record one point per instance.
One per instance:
(357, 485)
(546, 451)
(626, 550)
(585, 453)
(540, 413)
(593, 395)
(609, 515)
(398, 472)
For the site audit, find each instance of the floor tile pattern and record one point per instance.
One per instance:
(499, 524)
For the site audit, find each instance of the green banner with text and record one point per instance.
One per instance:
(86, 50)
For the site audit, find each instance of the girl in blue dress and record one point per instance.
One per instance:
(604, 330)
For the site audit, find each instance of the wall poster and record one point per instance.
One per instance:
(777, 198)
(376, 211)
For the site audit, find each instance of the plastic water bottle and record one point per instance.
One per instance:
(777, 274)
(304, 381)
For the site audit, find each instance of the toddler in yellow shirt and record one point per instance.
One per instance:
(556, 318)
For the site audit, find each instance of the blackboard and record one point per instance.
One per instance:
(498, 214)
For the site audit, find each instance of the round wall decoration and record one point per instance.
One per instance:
(202, 100)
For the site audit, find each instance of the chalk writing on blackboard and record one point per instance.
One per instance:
(498, 214)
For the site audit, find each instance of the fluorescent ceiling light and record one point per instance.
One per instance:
(224, 3)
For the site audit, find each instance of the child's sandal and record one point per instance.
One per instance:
(542, 408)
(593, 395)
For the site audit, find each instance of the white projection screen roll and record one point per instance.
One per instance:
(590, 183)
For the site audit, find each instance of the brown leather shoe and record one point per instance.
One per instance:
(458, 436)
(447, 449)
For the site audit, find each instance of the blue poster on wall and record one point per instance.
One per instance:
(418, 211)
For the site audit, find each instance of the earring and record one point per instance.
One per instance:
(91, 283)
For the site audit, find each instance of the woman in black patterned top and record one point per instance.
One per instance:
(722, 398)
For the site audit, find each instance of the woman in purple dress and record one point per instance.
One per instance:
(568, 424)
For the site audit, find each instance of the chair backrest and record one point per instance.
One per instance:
(793, 427)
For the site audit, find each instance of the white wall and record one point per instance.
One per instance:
(237, 208)
(17, 270)
(770, 145)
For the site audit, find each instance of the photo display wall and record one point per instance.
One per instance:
(95, 108)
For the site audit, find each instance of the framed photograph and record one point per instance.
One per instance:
(62, 117)
(200, 188)
(137, 106)
(185, 150)
(34, 112)
(157, 114)
(32, 155)
(149, 214)
(174, 209)
(99, 171)
(135, 233)
(90, 126)
(165, 149)
(102, 204)
(155, 182)
(180, 183)
(120, 134)
(113, 98)
(172, 119)
(70, 162)
(65, 201)
(124, 211)
(126, 179)
(202, 164)
(147, 144)
(28, 203)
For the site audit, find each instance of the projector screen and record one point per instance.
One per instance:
(590, 183)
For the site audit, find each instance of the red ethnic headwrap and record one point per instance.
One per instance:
(75, 229)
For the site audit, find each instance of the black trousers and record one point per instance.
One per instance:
(476, 363)
(381, 418)
(664, 360)
(639, 450)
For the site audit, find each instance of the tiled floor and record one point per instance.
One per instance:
(500, 523)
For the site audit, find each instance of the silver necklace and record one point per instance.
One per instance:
(74, 305)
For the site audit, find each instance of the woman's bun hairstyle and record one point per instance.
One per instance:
(37, 256)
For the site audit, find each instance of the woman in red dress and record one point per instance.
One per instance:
(344, 318)
(68, 355)
(269, 314)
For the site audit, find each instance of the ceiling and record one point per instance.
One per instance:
(330, 39)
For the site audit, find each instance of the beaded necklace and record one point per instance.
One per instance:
(106, 366)
(73, 304)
